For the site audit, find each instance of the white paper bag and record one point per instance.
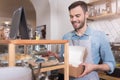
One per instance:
(76, 55)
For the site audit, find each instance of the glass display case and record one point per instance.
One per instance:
(30, 51)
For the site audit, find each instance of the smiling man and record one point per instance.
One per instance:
(100, 47)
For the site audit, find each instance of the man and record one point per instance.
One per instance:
(100, 47)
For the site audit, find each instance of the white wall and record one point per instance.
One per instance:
(42, 8)
(111, 27)
(53, 19)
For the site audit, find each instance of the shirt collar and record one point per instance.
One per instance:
(87, 32)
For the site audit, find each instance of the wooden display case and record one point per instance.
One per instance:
(11, 50)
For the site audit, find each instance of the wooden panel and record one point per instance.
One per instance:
(52, 68)
(11, 55)
(66, 56)
(4, 41)
(24, 42)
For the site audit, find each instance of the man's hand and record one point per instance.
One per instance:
(92, 67)
(88, 68)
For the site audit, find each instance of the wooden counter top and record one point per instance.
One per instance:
(107, 77)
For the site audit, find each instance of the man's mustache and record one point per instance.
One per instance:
(74, 22)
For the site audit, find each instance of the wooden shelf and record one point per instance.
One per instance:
(96, 2)
(103, 16)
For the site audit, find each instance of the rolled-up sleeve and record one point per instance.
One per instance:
(106, 53)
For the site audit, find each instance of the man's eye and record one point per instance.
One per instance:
(77, 15)
(71, 16)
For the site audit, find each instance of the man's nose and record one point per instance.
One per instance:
(74, 19)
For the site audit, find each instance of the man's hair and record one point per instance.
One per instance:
(82, 4)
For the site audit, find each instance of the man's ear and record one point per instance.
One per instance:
(86, 14)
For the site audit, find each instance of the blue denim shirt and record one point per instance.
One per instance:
(99, 44)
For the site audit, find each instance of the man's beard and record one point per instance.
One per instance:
(80, 26)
